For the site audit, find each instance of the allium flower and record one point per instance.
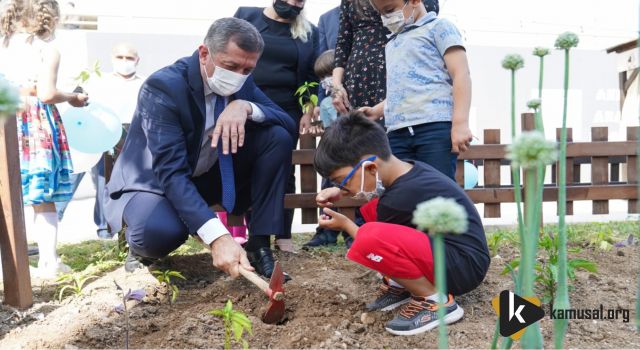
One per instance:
(441, 215)
(540, 51)
(567, 40)
(534, 103)
(513, 62)
(530, 149)
(9, 98)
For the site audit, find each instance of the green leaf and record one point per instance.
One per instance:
(62, 290)
(238, 329)
(583, 264)
(175, 292)
(228, 307)
(300, 90)
(245, 344)
(176, 274)
(313, 84)
(240, 318)
(217, 313)
(314, 100)
(511, 266)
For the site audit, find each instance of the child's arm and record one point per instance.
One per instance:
(456, 60)
(374, 113)
(337, 222)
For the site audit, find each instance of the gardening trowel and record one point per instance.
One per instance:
(274, 290)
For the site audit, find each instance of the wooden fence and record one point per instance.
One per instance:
(604, 156)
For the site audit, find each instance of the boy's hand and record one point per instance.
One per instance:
(335, 221)
(371, 113)
(460, 138)
(327, 196)
(305, 124)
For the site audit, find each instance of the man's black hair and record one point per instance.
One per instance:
(348, 140)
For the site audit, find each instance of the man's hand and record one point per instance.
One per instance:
(335, 221)
(230, 126)
(228, 256)
(461, 137)
(327, 196)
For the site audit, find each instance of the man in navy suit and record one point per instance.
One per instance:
(328, 29)
(204, 134)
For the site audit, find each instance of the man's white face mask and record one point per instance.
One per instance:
(124, 67)
(225, 82)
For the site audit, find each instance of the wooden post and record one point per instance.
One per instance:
(600, 169)
(570, 168)
(13, 238)
(632, 170)
(308, 180)
(492, 172)
(460, 172)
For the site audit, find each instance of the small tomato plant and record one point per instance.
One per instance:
(234, 321)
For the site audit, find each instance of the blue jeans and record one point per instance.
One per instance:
(429, 143)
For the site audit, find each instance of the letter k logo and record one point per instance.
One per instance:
(522, 312)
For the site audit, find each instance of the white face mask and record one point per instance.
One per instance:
(395, 21)
(369, 195)
(225, 82)
(124, 67)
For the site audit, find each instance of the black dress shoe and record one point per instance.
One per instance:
(135, 261)
(262, 260)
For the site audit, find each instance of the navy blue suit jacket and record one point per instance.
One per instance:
(162, 147)
(328, 29)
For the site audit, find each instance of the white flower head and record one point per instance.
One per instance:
(534, 103)
(513, 62)
(540, 51)
(441, 216)
(531, 149)
(567, 40)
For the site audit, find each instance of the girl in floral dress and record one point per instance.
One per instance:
(29, 58)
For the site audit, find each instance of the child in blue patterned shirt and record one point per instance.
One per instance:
(426, 110)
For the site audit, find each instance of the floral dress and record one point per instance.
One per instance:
(360, 51)
(45, 161)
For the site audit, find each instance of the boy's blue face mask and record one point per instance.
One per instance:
(362, 194)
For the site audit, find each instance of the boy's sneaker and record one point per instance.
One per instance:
(421, 315)
(389, 298)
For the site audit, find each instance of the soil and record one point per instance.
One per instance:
(325, 304)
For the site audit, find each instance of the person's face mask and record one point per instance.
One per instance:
(124, 67)
(395, 21)
(369, 195)
(286, 10)
(225, 82)
(327, 83)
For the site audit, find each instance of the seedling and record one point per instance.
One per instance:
(130, 295)
(165, 277)
(305, 98)
(86, 74)
(75, 283)
(234, 321)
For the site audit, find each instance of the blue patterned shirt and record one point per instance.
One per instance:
(419, 87)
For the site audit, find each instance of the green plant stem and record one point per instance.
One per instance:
(227, 333)
(515, 171)
(441, 285)
(532, 338)
(538, 119)
(562, 294)
(496, 335)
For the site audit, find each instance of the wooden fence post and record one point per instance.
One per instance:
(632, 170)
(492, 172)
(308, 180)
(600, 169)
(13, 238)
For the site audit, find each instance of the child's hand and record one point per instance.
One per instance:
(371, 113)
(460, 138)
(334, 220)
(327, 196)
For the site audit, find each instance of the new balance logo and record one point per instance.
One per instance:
(376, 258)
(520, 313)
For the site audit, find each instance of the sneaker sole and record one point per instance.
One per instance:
(393, 306)
(453, 317)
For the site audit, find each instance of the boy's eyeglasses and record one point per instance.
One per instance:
(353, 171)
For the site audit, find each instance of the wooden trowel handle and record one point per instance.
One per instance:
(255, 279)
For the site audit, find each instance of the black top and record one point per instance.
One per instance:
(275, 73)
(421, 183)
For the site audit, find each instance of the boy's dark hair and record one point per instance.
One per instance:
(324, 64)
(348, 140)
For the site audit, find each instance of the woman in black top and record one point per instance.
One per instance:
(359, 78)
(290, 50)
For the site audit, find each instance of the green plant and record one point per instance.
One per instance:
(540, 52)
(440, 216)
(603, 239)
(547, 267)
(513, 63)
(9, 98)
(75, 283)
(565, 42)
(138, 295)
(306, 99)
(495, 240)
(234, 321)
(86, 74)
(165, 277)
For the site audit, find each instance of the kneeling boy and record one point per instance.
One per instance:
(355, 154)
